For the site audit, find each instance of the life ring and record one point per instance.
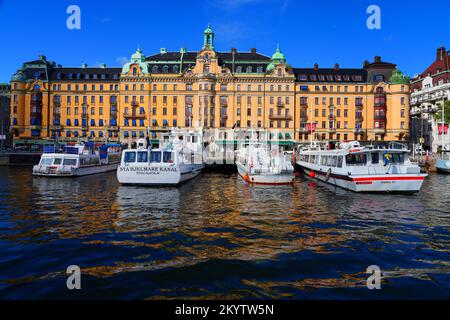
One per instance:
(328, 175)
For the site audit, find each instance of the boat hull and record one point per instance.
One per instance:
(151, 175)
(443, 165)
(388, 183)
(265, 179)
(78, 172)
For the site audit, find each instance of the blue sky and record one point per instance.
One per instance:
(322, 31)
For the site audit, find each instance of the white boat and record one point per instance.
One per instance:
(178, 160)
(79, 160)
(363, 169)
(443, 163)
(258, 164)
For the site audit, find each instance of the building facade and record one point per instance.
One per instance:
(208, 89)
(429, 92)
(5, 103)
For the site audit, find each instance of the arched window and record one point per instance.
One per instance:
(259, 70)
(249, 69)
(280, 72)
(175, 69)
(155, 69)
(134, 71)
(165, 69)
(239, 69)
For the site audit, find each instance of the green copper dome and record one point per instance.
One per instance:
(208, 38)
(138, 56)
(399, 78)
(278, 56)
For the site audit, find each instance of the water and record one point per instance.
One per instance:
(216, 237)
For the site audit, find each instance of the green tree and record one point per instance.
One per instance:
(438, 115)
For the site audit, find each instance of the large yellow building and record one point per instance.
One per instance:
(208, 89)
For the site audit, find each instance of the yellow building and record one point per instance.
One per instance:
(208, 89)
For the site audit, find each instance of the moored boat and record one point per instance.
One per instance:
(79, 160)
(363, 169)
(258, 164)
(443, 163)
(178, 160)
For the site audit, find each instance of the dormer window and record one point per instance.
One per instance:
(175, 69)
(303, 77)
(165, 69)
(86, 76)
(155, 69)
(239, 69)
(259, 69)
(377, 78)
(249, 69)
(280, 72)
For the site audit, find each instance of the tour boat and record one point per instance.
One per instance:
(443, 163)
(79, 160)
(178, 160)
(258, 164)
(363, 169)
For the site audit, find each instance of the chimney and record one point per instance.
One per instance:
(233, 50)
(440, 54)
(377, 59)
(316, 66)
(253, 50)
(336, 66)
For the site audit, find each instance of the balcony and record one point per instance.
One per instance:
(358, 131)
(331, 130)
(379, 118)
(379, 130)
(359, 105)
(304, 118)
(304, 105)
(359, 118)
(35, 127)
(280, 117)
(113, 103)
(134, 103)
(280, 105)
(135, 115)
(331, 117)
(113, 128)
(113, 114)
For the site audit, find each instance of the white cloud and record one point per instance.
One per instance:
(122, 60)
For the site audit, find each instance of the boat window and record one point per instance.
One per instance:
(375, 158)
(142, 156)
(47, 161)
(167, 157)
(340, 161)
(334, 162)
(130, 157)
(329, 161)
(398, 158)
(194, 139)
(58, 161)
(323, 160)
(312, 159)
(307, 158)
(356, 159)
(70, 162)
(155, 157)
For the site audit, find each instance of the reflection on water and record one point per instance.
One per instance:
(217, 237)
